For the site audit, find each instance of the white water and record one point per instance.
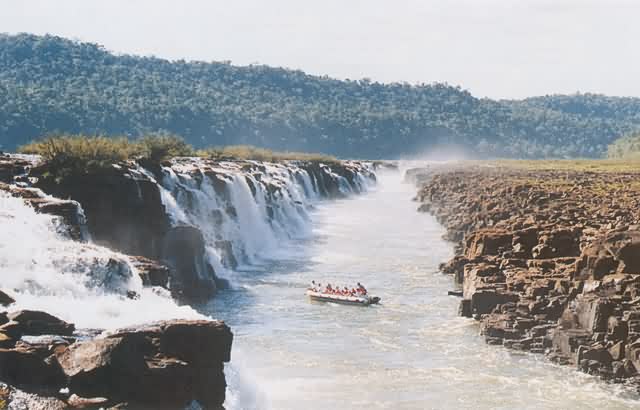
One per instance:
(256, 211)
(411, 352)
(81, 283)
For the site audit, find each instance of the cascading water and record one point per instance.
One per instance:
(411, 352)
(248, 214)
(82, 283)
(248, 211)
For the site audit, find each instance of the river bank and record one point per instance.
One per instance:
(546, 258)
(411, 352)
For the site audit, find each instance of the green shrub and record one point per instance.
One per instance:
(249, 152)
(73, 154)
(157, 148)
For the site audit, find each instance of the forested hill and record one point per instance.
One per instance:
(53, 85)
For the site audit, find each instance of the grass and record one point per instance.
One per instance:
(609, 176)
(74, 154)
(585, 165)
(68, 155)
(248, 152)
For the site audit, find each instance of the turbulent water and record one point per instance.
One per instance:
(411, 352)
(81, 283)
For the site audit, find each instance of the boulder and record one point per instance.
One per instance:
(615, 252)
(487, 242)
(6, 341)
(33, 322)
(484, 301)
(70, 212)
(5, 299)
(593, 312)
(25, 366)
(152, 273)
(163, 365)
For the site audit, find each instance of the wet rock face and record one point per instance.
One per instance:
(32, 322)
(184, 250)
(5, 299)
(164, 365)
(125, 208)
(167, 364)
(548, 261)
(153, 273)
(13, 167)
(616, 252)
(69, 214)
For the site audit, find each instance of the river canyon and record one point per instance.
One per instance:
(411, 352)
(261, 233)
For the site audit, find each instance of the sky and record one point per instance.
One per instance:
(493, 48)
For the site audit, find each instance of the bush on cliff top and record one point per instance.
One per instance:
(75, 154)
(160, 147)
(248, 152)
(70, 154)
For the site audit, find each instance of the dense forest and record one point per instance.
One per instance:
(52, 85)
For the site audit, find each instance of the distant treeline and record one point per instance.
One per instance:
(53, 85)
(627, 147)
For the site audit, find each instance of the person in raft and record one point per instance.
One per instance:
(317, 287)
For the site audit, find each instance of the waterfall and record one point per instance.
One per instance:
(86, 284)
(248, 211)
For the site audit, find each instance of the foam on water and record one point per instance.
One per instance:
(412, 352)
(261, 211)
(81, 283)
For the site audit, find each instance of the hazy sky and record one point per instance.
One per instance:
(495, 48)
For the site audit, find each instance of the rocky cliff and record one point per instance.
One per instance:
(547, 260)
(164, 365)
(104, 253)
(198, 217)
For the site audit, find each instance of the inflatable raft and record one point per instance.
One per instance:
(345, 300)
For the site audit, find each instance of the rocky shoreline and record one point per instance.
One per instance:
(547, 260)
(46, 363)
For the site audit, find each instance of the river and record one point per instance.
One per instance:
(410, 352)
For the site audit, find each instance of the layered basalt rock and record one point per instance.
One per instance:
(69, 215)
(548, 260)
(129, 207)
(164, 365)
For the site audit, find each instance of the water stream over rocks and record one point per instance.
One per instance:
(410, 352)
(266, 229)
